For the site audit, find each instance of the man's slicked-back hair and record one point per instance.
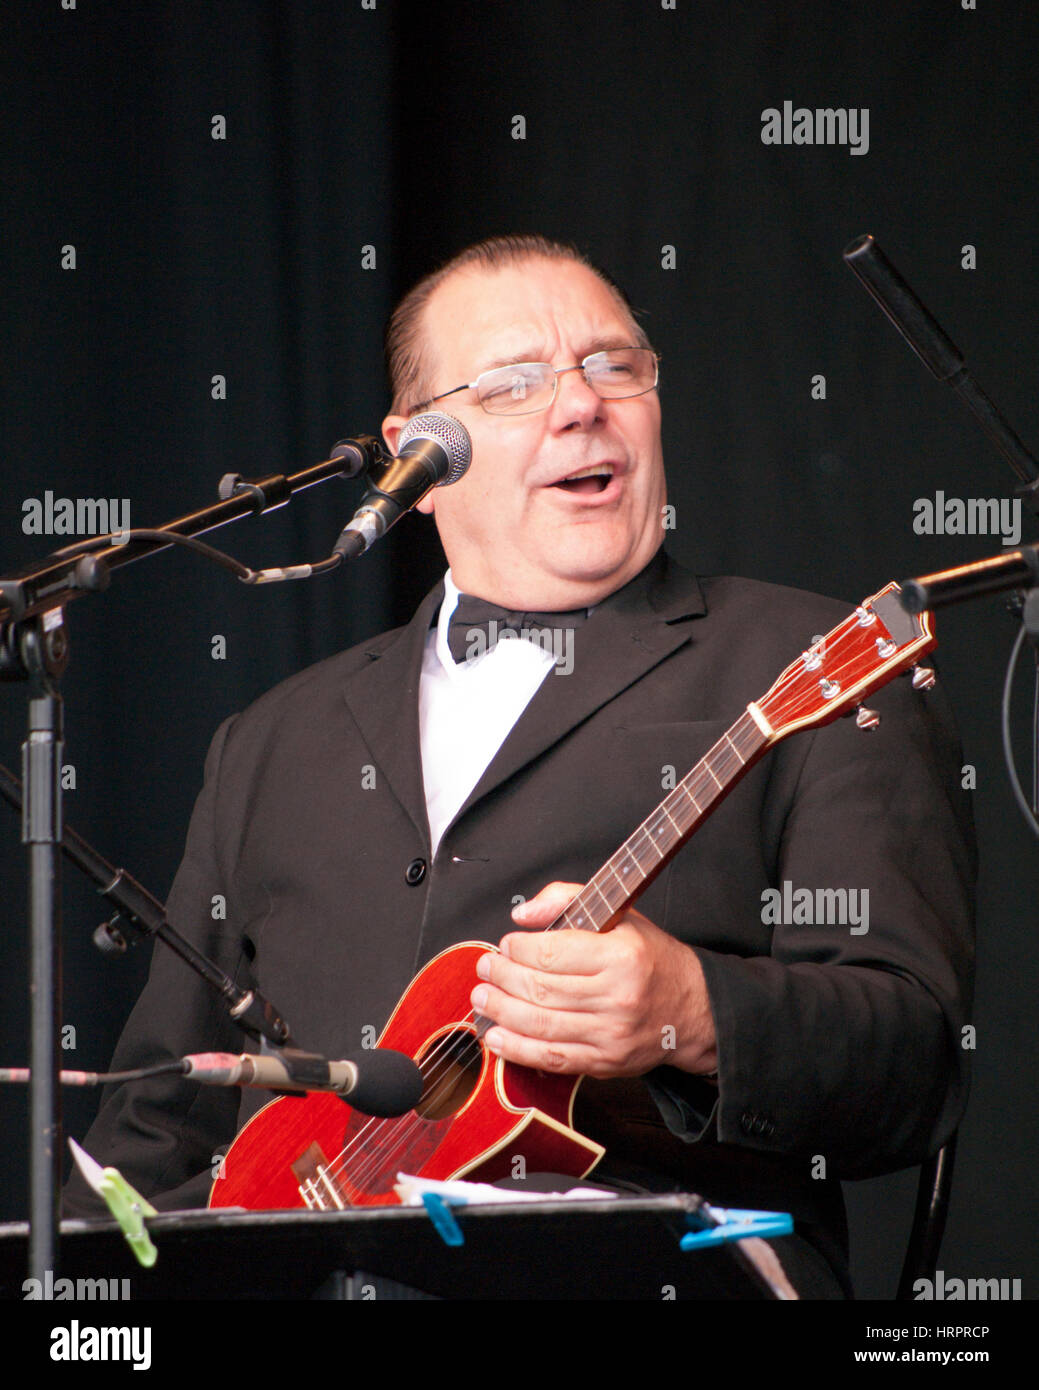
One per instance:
(407, 364)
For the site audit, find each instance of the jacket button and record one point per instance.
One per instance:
(415, 872)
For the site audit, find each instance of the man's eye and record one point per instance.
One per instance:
(502, 390)
(510, 386)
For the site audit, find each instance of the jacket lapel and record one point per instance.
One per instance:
(383, 699)
(628, 634)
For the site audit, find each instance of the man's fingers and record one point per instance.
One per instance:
(565, 988)
(546, 906)
(530, 1020)
(554, 952)
(551, 1057)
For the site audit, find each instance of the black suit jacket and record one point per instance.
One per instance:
(833, 1046)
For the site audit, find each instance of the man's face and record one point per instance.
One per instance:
(514, 532)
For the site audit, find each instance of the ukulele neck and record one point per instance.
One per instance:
(644, 853)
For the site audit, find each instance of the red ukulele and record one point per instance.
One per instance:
(477, 1112)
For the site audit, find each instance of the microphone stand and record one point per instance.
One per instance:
(940, 355)
(1018, 570)
(139, 915)
(34, 648)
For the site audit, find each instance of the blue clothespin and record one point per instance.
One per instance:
(443, 1219)
(716, 1225)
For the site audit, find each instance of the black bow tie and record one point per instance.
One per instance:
(476, 624)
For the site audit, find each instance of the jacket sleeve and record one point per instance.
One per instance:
(163, 1134)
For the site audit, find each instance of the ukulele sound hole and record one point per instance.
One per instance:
(451, 1064)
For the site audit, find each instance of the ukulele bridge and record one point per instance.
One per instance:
(317, 1187)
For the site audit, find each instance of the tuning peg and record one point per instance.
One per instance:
(866, 718)
(923, 678)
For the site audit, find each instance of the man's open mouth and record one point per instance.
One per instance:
(595, 478)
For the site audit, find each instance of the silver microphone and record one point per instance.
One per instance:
(384, 1082)
(434, 450)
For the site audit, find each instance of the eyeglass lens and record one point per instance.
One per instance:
(527, 386)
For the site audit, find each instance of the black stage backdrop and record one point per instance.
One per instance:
(241, 190)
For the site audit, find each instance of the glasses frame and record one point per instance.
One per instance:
(557, 372)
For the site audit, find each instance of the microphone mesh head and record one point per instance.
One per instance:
(448, 432)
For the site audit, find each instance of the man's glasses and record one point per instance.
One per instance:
(524, 388)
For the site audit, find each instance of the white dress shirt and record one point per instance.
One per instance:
(467, 710)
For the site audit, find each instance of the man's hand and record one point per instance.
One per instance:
(616, 1004)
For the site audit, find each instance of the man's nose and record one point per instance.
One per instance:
(576, 403)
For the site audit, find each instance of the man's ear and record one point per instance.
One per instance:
(391, 428)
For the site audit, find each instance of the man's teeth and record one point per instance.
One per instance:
(595, 470)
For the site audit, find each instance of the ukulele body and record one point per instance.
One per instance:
(477, 1116)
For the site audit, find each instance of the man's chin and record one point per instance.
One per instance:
(580, 567)
(590, 568)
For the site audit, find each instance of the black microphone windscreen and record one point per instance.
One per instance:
(388, 1083)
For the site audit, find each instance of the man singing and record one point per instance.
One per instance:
(416, 790)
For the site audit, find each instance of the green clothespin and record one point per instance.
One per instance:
(127, 1205)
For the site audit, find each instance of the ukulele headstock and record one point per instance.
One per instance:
(869, 648)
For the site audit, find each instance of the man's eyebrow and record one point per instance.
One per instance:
(510, 361)
(593, 345)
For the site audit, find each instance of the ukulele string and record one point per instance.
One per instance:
(394, 1133)
(378, 1139)
(377, 1154)
(377, 1147)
